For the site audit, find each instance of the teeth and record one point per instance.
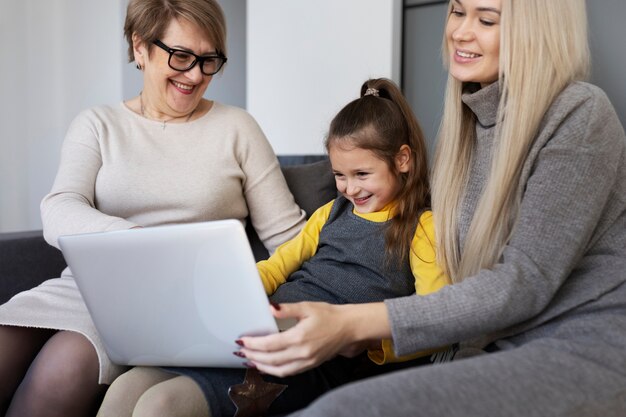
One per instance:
(182, 86)
(466, 54)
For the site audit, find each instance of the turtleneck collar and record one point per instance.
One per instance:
(483, 102)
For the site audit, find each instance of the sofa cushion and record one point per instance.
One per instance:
(312, 185)
(26, 260)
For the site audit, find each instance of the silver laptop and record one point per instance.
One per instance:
(175, 295)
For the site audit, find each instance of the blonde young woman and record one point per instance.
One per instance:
(529, 199)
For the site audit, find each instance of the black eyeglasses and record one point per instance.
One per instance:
(181, 60)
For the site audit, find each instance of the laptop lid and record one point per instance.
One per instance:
(176, 295)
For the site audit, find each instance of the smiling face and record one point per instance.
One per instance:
(167, 92)
(364, 179)
(473, 40)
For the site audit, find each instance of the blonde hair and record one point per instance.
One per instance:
(150, 18)
(543, 48)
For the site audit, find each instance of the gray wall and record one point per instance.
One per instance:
(230, 85)
(608, 50)
(424, 77)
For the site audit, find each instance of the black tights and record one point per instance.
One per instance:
(47, 373)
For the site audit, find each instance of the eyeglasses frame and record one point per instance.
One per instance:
(197, 58)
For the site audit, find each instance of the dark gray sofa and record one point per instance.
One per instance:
(26, 259)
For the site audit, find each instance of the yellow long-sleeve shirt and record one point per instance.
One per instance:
(289, 257)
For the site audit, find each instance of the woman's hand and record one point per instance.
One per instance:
(323, 330)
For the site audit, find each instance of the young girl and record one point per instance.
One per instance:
(529, 199)
(375, 241)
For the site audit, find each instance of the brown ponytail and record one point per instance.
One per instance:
(382, 121)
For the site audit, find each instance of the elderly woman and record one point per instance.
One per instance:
(165, 156)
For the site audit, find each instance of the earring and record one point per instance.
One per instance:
(139, 67)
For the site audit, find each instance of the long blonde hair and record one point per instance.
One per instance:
(543, 48)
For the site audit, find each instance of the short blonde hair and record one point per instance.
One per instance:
(544, 47)
(150, 18)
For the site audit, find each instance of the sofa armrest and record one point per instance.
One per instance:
(26, 260)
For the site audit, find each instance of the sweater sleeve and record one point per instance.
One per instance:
(429, 277)
(571, 179)
(70, 206)
(290, 256)
(273, 211)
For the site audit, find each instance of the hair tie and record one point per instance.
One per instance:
(371, 92)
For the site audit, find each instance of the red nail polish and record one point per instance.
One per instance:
(249, 365)
(239, 354)
(239, 342)
(276, 306)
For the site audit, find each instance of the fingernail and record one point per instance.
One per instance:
(240, 354)
(239, 342)
(249, 365)
(276, 306)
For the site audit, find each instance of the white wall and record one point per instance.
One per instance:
(307, 59)
(58, 57)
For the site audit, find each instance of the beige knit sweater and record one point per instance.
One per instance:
(120, 170)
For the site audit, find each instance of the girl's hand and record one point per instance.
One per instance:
(323, 331)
